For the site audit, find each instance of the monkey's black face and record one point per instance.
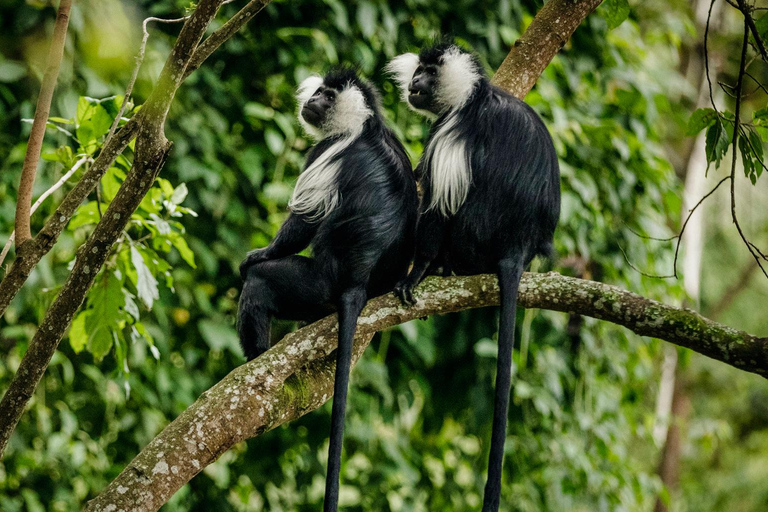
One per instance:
(317, 108)
(422, 88)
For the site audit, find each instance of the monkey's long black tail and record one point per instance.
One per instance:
(351, 304)
(510, 272)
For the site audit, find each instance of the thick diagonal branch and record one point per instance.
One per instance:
(296, 375)
(547, 34)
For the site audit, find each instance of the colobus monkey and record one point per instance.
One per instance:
(356, 204)
(491, 195)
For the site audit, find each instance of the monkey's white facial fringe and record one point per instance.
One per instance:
(402, 69)
(306, 90)
(449, 168)
(457, 78)
(316, 193)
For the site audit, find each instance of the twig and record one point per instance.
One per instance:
(750, 26)
(42, 111)
(222, 34)
(680, 236)
(652, 276)
(56, 186)
(706, 58)
(760, 86)
(136, 67)
(739, 83)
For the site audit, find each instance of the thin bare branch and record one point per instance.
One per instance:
(136, 68)
(751, 247)
(42, 112)
(56, 186)
(226, 31)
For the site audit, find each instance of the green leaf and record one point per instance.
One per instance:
(367, 18)
(106, 300)
(100, 342)
(146, 284)
(702, 118)
(615, 12)
(219, 336)
(760, 117)
(11, 71)
(762, 26)
(111, 182)
(179, 194)
(181, 245)
(93, 121)
(717, 142)
(78, 338)
(274, 140)
(259, 111)
(86, 214)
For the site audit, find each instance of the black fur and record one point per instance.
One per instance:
(361, 249)
(508, 218)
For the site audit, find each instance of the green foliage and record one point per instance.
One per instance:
(615, 12)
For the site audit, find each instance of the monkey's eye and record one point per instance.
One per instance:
(431, 70)
(330, 94)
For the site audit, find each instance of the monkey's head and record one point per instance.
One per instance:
(440, 78)
(337, 104)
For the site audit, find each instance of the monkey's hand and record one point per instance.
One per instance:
(404, 291)
(251, 259)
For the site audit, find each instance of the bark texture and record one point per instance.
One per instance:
(296, 375)
(549, 31)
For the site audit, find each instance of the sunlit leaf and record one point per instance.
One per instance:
(146, 284)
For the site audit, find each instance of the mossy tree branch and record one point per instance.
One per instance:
(296, 375)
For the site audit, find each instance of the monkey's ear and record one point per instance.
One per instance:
(402, 69)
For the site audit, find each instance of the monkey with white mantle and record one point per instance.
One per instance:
(491, 201)
(356, 204)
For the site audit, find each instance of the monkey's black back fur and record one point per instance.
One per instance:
(513, 203)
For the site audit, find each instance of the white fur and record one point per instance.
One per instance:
(457, 78)
(316, 193)
(402, 69)
(348, 115)
(306, 90)
(449, 168)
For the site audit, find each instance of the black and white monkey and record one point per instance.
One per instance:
(491, 200)
(356, 204)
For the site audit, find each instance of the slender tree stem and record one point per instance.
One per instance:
(43, 110)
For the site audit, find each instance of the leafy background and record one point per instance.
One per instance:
(158, 326)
